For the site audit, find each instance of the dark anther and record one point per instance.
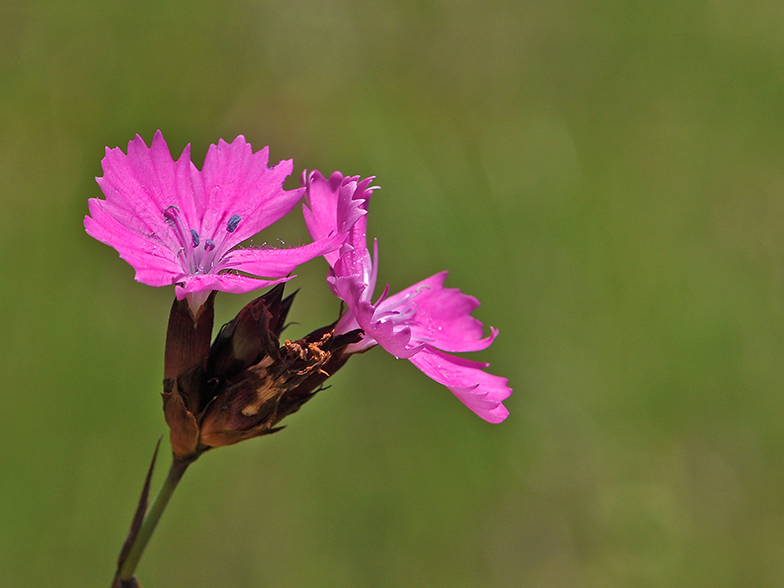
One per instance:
(233, 222)
(168, 214)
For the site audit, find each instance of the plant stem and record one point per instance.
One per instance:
(151, 519)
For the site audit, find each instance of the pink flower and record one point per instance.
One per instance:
(177, 225)
(421, 322)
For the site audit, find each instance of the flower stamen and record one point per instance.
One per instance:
(231, 226)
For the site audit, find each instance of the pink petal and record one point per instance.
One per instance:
(336, 205)
(443, 316)
(236, 181)
(355, 263)
(138, 188)
(153, 262)
(140, 185)
(395, 339)
(321, 203)
(353, 208)
(234, 283)
(278, 262)
(483, 393)
(349, 288)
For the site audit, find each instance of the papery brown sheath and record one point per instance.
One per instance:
(245, 383)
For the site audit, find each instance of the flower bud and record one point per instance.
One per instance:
(245, 383)
(185, 360)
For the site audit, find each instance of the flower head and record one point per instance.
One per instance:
(178, 225)
(419, 323)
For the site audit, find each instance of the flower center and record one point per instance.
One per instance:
(198, 256)
(399, 313)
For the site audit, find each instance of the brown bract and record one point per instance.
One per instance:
(245, 383)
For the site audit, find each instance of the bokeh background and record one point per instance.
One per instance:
(607, 177)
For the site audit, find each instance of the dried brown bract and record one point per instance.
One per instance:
(245, 383)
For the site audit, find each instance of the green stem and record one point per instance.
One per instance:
(151, 519)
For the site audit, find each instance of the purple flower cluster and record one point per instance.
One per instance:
(177, 225)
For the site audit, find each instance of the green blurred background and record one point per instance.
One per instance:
(607, 177)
